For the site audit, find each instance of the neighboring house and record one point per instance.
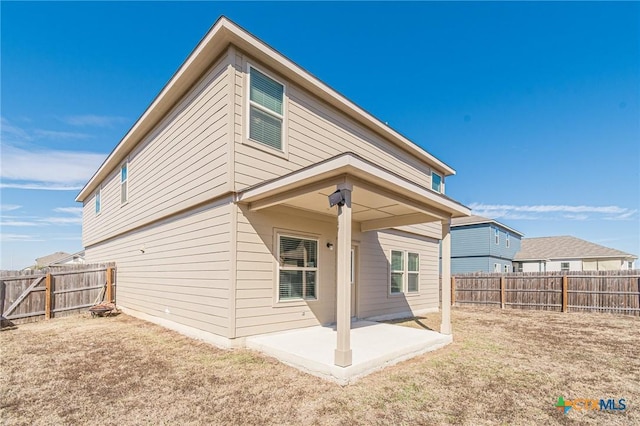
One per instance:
(71, 259)
(47, 260)
(566, 253)
(479, 244)
(59, 258)
(215, 204)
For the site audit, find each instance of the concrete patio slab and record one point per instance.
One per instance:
(374, 345)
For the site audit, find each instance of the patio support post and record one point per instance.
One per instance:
(343, 316)
(445, 327)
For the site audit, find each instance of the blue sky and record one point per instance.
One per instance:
(535, 105)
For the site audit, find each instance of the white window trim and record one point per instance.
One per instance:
(302, 300)
(98, 195)
(568, 266)
(506, 269)
(496, 268)
(441, 182)
(353, 266)
(405, 274)
(508, 240)
(496, 236)
(284, 153)
(125, 182)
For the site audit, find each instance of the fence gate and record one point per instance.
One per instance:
(27, 296)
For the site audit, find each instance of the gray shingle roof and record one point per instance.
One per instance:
(476, 220)
(50, 258)
(565, 247)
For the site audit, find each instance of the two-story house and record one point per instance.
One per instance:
(479, 244)
(251, 198)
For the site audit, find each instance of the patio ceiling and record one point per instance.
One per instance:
(380, 199)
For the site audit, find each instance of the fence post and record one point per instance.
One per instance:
(564, 294)
(47, 297)
(109, 294)
(453, 291)
(502, 292)
(3, 292)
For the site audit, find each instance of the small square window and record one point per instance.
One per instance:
(436, 182)
(564, 266)
(404, 264)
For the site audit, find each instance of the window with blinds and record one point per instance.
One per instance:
(266, 109)
(298, 268)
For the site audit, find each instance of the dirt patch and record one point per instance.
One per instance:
(504, 367)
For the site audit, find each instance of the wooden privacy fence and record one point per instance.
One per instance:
(598, 291)
(27, 296)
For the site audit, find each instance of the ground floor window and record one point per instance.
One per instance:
(564, 266)
(405, 272)
(297, 268)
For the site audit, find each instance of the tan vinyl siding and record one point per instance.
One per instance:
(429, 229)
(181, 163)
(314, 131)
(183, 274)
(256, 308)
(375, 257)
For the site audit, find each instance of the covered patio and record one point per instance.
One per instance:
(362, 194)
(374, 345)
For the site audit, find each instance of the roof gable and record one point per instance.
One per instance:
(217, 40)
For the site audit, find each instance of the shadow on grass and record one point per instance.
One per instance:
(416, 320)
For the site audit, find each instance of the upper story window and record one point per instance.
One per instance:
(497, 236)
(298, 268)
(266, 110)
(508, 240)
(98, 205)
(436, 182)
(124, 182)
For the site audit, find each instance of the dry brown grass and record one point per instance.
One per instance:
(505, 367)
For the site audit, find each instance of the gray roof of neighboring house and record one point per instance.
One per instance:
(74, 256)
(565, 247)
(50, 258)
(477, 220)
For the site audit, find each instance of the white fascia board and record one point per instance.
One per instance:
(349, 164)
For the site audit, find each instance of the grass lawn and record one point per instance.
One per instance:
(504, 367)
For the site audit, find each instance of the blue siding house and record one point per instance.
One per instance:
(479, 244)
